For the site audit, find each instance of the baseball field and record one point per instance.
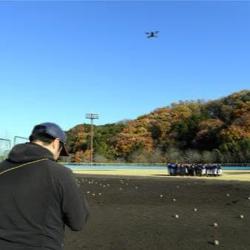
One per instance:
(150, 210)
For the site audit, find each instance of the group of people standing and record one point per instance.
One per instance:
(194, 169)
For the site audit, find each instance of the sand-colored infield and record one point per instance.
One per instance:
(230, 175)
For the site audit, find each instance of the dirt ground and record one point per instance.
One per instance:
(140, 213)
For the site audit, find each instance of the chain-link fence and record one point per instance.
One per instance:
(5, 146)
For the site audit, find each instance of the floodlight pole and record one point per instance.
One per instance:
(91, 117)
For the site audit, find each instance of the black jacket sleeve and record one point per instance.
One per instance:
(74, 206)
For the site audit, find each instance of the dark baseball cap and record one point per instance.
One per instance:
(54, 131)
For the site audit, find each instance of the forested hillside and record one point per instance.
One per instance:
(187, 131)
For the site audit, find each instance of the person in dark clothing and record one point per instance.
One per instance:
(38, 196)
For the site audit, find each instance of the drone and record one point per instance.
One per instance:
(152, 34)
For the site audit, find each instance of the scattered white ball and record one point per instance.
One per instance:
(161, 195)
(88, 192)
(93, 194)
(216, 243)
(99, 194)
(195, 209)
(248, 198)
(176, 216)
(242, 216)
(174, 200)
(228, 195)
(136, 187)
(216, 224)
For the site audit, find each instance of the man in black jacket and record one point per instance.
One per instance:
(38, 196)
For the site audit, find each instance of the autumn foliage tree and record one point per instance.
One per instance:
(213, 131)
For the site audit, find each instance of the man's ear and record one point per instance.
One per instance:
(56, 143)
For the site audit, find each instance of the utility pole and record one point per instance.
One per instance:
(91, 117)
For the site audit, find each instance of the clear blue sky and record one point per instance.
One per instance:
(61, 60)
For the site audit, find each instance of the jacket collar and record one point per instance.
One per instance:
(21, 153)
